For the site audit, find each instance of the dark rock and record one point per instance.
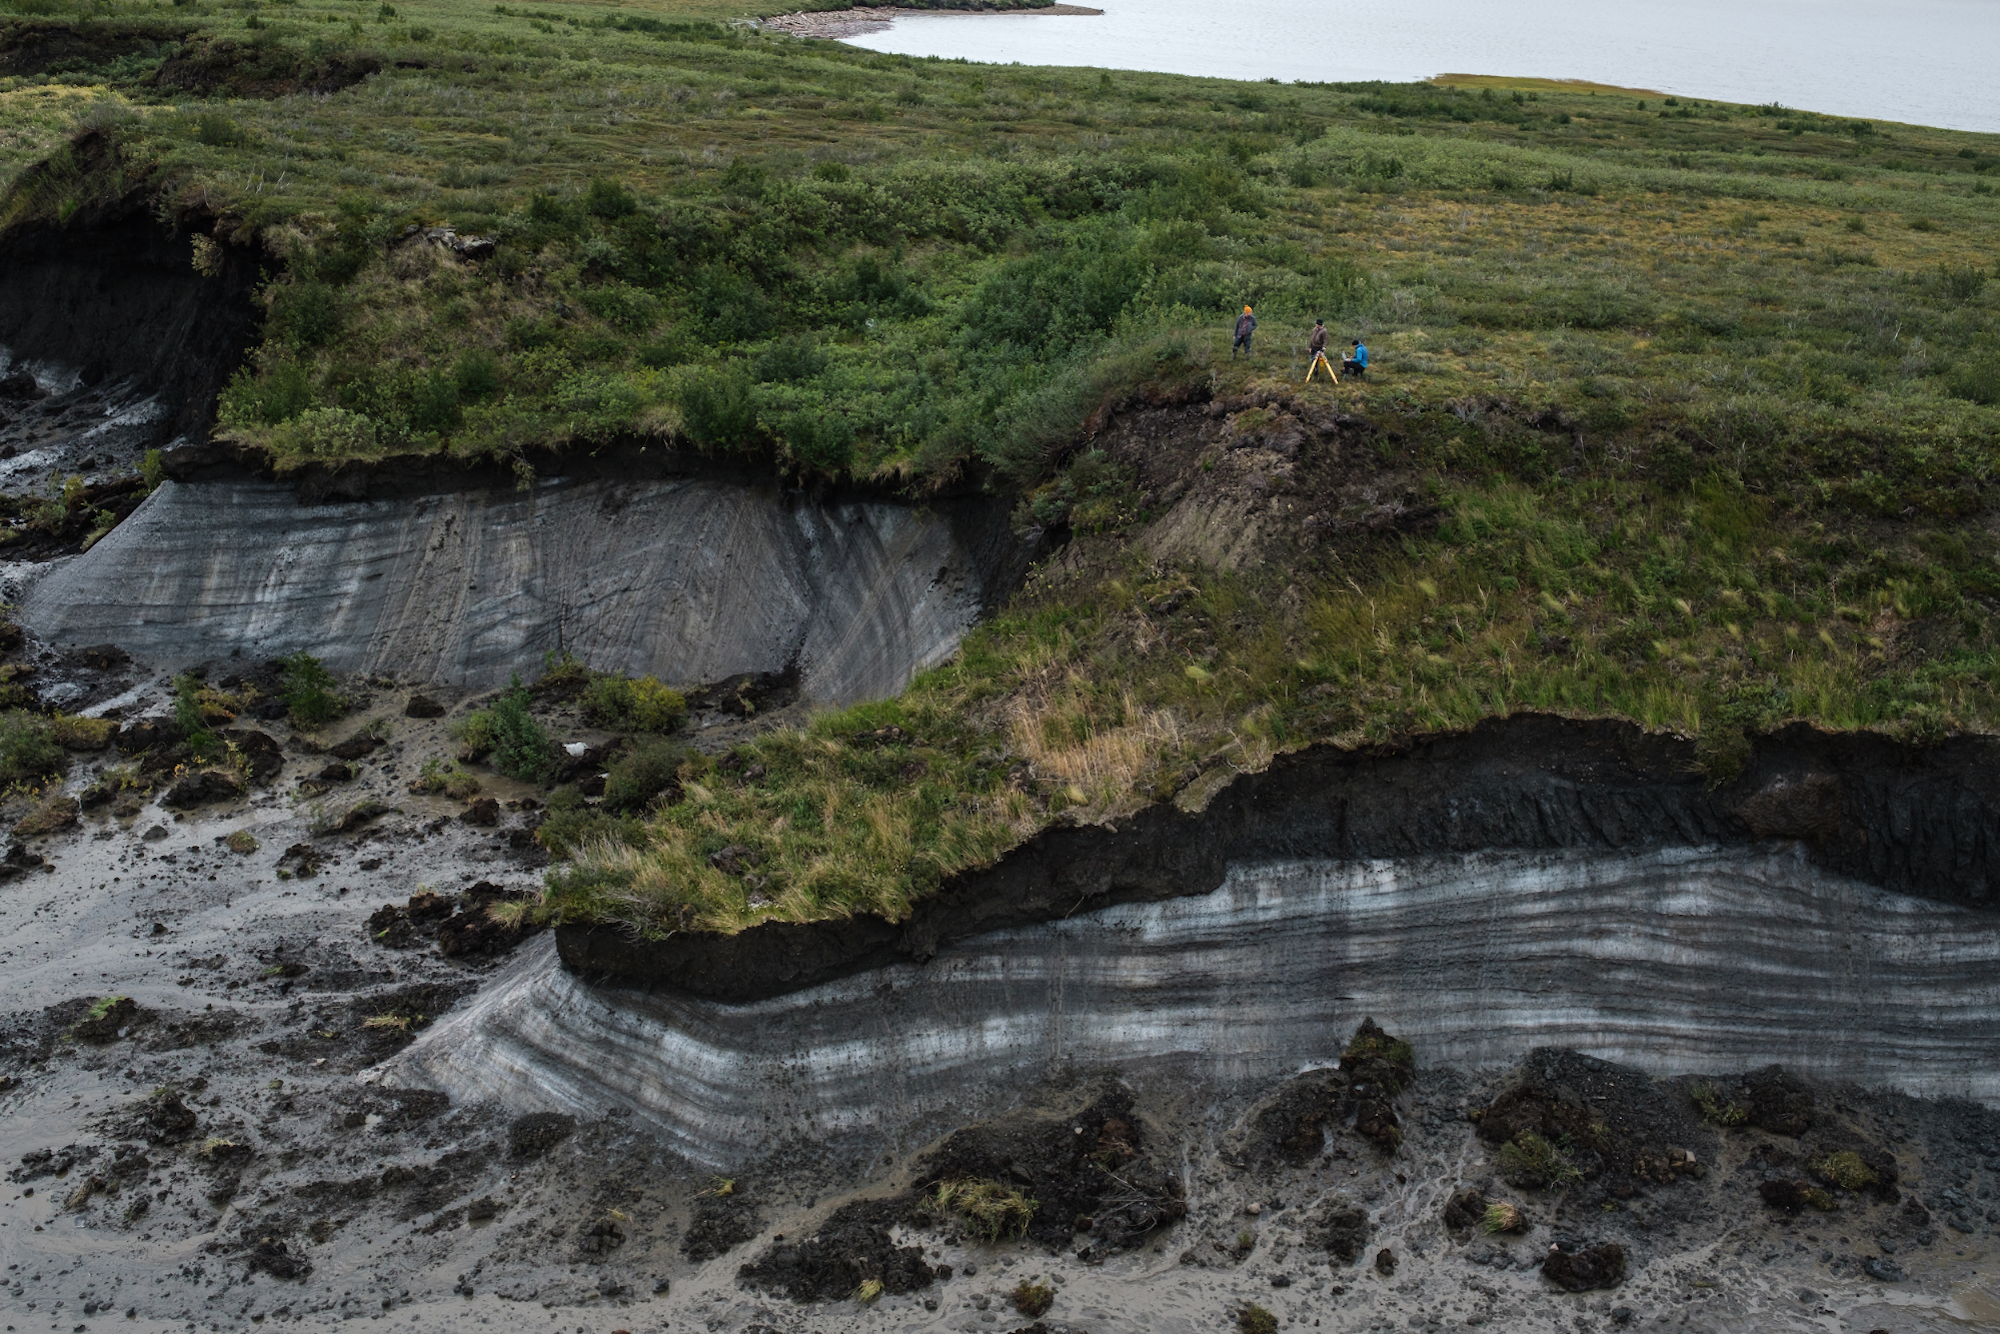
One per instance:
(337, 772)
(166, 1119)
(260, 750)
(355, 747)
(423, 706)
(1882, 1271)
(535, 1134)
(1465, 1210)
(104, 657)
(103, 1027)
(484, 812)
(1600, 1266)
(1341, 1229)
(1778, 1101)
(201, 789)
(278, 1260)
(20, 387)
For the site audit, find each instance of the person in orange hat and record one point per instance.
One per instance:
(1246, 324)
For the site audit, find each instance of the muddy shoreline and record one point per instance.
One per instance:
(1919, 821)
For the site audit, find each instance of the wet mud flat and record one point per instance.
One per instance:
(217, 1150)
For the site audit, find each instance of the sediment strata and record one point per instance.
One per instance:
(688, 578)
(1667, 958)
(1917, 821)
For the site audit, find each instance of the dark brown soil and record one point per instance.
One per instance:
(852, 1247)
(1606, 1121)
(1092, 1173)
(720, 1223)
(1600, 1266)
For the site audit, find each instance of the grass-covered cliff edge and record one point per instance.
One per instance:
(1682, 412)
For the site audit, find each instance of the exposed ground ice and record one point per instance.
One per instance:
(684, 578)
(1672, 959)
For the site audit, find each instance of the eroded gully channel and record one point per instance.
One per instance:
(1533, 884)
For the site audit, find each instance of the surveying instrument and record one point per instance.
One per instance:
(1319, 360)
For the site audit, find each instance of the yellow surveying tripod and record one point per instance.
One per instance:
(1319, 360)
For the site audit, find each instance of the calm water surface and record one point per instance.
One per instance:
(1928, 62)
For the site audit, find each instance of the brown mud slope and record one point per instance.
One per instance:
(1916, 821)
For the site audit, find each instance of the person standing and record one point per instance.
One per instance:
(1246, 324)
(1317, 345)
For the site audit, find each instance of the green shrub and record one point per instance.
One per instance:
(308, 690)
(29, 755)
(633, 704)
(192, 719)
(153, 468)
(718, 408)
(441, 776)
(643, 773)
(478, 375)
(1976, 381)
(522, 747)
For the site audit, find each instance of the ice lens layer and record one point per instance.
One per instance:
(1669, 959)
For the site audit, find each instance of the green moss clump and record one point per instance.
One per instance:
(1846, 1170)
(633, 704)
(1254, 1319)
(1715, 1106)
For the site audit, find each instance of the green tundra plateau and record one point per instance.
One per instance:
(1680, 412)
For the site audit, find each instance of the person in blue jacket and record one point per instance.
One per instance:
(1358, 363)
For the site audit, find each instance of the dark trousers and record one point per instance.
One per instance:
(1351, 367)
(1243, 342)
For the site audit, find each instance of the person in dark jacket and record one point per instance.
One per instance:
(1317, 345)
(1246, 324)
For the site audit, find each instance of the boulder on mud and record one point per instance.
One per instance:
(483, 812)
(274, 1257)
(259, 751)
(202, 789)
(423, 706)
(355, 747)
(1600, 1266)
(1340, 1229)
(106, 1018)
(165, 1119)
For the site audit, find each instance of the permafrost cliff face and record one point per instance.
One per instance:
(1670, 959)
(687, 578)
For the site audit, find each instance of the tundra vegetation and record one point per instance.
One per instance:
(1703, 399)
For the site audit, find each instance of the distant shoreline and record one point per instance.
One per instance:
(838, 23)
